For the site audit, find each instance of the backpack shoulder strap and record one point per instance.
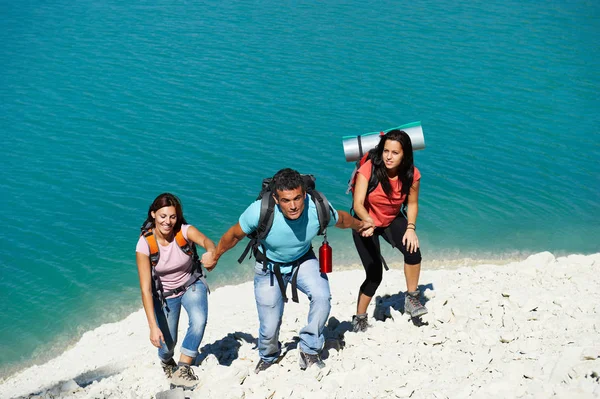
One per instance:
(152, 246)
(265, 222)
(324, 210)
(323, 207)
(267, 213)
(185, 246)
(372, 180)
(189, 248)
(352, 179)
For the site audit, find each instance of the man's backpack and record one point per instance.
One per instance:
(187, 248)
(267, 212)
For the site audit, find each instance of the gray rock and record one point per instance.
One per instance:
(171, 394)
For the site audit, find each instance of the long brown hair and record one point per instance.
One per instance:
(165, 199)
(406, 168)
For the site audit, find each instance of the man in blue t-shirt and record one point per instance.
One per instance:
(288, 252)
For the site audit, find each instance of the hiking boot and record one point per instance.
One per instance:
(169, 367)
(184, 377)
(262, 366)
(306, 360)
(360, 322)
(412, 305)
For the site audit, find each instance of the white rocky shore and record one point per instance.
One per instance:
(522, 330)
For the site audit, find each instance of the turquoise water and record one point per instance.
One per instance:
(107, 104)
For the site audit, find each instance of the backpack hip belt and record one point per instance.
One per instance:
(197, 275)
(276, 272)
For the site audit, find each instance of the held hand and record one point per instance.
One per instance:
(156, 337)
(410, 240)
(368, 232)
(208, 260)
(367, 228)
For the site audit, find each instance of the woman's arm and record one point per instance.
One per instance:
(208, 259)
(196, 236)
(145, 275)
(410, 238)
(358, 203)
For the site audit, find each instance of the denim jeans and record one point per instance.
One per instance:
(269, 303)
(195, 303)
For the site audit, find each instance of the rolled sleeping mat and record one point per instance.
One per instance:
(356, 146)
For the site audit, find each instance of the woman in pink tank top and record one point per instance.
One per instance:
(171, 277)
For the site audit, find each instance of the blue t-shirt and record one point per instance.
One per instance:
(288, 239)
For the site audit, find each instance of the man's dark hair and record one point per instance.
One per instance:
(287, 179)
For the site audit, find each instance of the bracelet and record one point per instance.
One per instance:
(411, 228)
(412, 224)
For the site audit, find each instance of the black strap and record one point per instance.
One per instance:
(279, 277)
(267, 213)
(360, 149)
(251, 244)
(191, 281)
(197, 274)
(383, 261)
(157, 289)
(324, 210)
(295, 283)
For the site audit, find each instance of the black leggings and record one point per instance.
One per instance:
(370, 253)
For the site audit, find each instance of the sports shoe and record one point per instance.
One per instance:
(169, 367)
(360, 323)
(184, 377)
(306, 360)
(412, 305)
(262, 366)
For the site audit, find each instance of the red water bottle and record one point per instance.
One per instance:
(325, 261)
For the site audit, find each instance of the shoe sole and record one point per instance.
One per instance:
(185, 388)
(256, 371)
(419, 313)
(304, 366)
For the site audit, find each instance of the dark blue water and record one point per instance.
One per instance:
(107, 104)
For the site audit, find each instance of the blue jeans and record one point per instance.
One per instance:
(269, 303)
(195, 303)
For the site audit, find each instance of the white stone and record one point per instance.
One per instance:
(540, 260)
(564, 365)
(69, 386)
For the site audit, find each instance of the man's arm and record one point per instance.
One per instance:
(229, 240)
(346, 221)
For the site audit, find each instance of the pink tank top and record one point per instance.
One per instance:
(174, 268)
